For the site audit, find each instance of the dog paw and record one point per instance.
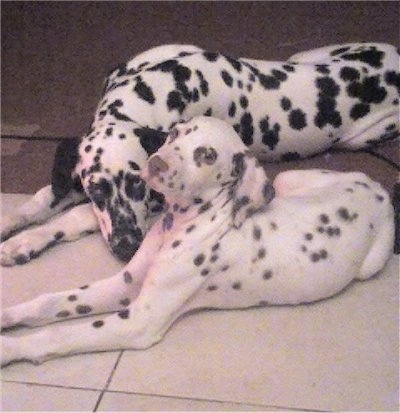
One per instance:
(21, 249)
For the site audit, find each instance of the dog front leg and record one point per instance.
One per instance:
(138, 326)
(29, 244)
(107, 295)
(110, 333)
(38, 209)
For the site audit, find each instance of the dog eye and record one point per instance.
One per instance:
(100, 192)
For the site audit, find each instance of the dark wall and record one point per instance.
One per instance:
(55, 54)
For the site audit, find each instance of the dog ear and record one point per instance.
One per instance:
(252, 189)
(63, 178)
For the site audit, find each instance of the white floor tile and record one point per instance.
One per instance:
(86, 371)
(24, 397)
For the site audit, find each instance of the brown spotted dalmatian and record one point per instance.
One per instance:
(340, 96)
(227, 239)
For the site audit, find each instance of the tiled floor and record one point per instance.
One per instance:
(339, 354)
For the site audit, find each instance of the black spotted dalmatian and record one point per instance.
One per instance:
(227, 239)
(342, 96)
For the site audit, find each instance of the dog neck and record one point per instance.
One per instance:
(211, 203)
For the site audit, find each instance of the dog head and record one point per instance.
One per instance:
(203, 158)
(109, 167)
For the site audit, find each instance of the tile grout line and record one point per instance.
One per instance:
(103, 391)
(197, 399)
(175, 397)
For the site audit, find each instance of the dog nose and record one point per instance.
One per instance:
(157, 165)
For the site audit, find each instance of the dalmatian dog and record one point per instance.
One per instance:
(227, 239)
(341, 96)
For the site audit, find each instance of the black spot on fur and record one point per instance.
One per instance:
(267, 275)
(286, 104)
(359, 110)
(392, 78)
(199, 259)
(175, 101)
(368, 91)
(237, 285)
(63, 314)
(215, 247)
(59, 235)
(269, 82)
(204, 87)
(227, 78)
(234, 63)
(214, 258)
(125, 302)
(339, 51)
(168, 221)
(113, 110)
(371, 57)
(205, 155)
(323, 69)
(270, 133)
(261, 253)
(345, 215)
(246, 129)
(205, 207)
(324, 218)
(349, 74)
(98, 324)
(232, 110)
(362, 184)
(289, 68)
(257, 233)
(326, 104)
(211, 57)
(297, 119)
(238, 165)
(127, 277)
(124, 314)
(176, 243)
(144, 91)
(244, 102)
(83, 309)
